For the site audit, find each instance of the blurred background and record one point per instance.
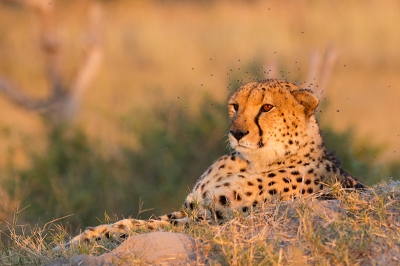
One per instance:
(117, 106)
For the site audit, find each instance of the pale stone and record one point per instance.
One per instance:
(157, 248)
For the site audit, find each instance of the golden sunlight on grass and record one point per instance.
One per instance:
(356, 228)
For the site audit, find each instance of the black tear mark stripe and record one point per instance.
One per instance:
(260, 131)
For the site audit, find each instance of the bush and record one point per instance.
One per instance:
(359, 158)
(176, 147)
(70, 178)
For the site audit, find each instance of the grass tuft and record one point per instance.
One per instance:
(357, 228)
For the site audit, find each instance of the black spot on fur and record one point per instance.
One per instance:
(286, 180)
(259, 180)
(299, 180)
(290, 141)
(295, 173)
(233, 158)
(260, 143)
(260, 187)
(237, 196)
(271, 183)
(328, 168)
(191, 206)
(271, 175)
(249, 193)
(308, 181)
(310, 171)
(227, 184)
(286, 189)
(245, 209)
(282, 171)
(309, 190)
(294, 187)
(223, 200)
(219, 215)
(241, 176)
(302, 191)
(272, 191)
(250, 184)
(359, 186)
(243, 170)
(209, 170)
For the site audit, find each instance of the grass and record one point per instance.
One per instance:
(357, 228)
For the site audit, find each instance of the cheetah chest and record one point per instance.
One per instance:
(231, 182)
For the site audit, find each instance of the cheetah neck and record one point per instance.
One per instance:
(309, 148)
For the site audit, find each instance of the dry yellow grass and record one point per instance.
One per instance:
(358, 228)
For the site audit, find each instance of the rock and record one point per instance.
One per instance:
(157, 248)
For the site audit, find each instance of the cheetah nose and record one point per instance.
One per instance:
(238, 134)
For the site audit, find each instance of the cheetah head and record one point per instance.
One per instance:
(270, 120)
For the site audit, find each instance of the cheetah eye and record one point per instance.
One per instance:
(266, 108)
(235, 106)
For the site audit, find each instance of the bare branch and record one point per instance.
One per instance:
(16, 95)
(314, 65)
(62, 103)
(320, 68)
(330, 59)
(90, 64)
(272, 70)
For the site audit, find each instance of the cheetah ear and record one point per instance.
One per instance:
(307, 99)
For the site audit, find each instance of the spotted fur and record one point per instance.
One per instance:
(278, 154)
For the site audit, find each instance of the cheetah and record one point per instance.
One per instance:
(278, 154)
